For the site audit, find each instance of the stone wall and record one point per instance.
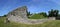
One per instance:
(21, 12)
(52, 18)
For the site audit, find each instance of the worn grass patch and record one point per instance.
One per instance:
(55, 23)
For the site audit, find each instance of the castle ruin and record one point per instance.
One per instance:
(20, 15)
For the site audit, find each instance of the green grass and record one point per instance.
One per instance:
(37, 16)
(55, 23)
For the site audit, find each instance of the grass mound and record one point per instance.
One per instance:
(37, 16)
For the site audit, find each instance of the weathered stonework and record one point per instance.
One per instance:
(17, 14)
(21, 11)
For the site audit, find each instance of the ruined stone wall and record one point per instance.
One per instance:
(18, 13)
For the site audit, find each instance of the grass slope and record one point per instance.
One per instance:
(37, 16)
(55, 23)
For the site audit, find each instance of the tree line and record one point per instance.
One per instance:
(51, 13)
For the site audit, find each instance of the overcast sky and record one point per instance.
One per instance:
(34, 6)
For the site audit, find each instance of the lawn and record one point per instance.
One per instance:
(55, 23)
